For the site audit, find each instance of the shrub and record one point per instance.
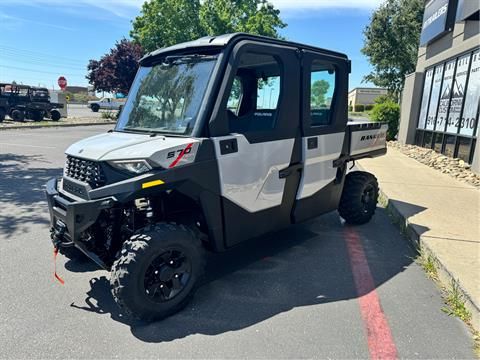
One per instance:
(387, 112)
(359, 108)
(350, 108)
(109, 115)
(368, 107)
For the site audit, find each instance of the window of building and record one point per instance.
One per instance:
(322, 88)
(448, 118)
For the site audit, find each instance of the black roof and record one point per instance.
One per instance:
(221, 41)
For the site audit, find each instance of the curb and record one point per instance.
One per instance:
(55, 125)
(444, 275)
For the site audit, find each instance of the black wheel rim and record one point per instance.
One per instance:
(167, 276)
(368, 197)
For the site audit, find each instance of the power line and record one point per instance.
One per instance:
(35, 62)
(38, 71)
(37, 53)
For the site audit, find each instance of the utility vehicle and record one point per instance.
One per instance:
(22, 102)
(221, 139)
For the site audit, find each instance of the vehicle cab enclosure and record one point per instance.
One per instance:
(234, 136)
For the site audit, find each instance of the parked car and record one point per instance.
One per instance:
(105, 103)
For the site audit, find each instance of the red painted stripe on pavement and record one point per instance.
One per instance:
(179, 157)
(379, 336)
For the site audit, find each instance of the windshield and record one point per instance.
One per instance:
(166, 97)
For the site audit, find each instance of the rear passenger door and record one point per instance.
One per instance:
(324, 118)
(260, 111)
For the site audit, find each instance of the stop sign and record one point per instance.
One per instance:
(62, 82)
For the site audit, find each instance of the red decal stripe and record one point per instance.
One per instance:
(380, 340)
(180, 156)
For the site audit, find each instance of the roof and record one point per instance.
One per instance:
(367, 88)
(221, 41)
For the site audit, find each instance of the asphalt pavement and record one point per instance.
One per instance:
(317, 290)
(82, 111)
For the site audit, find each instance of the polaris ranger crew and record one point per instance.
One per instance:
(221, 139)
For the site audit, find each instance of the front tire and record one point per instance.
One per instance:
(157, 272)
(55, 115)
(95, 107)
(359, 198)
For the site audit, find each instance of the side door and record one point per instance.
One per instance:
(257, 139)
(324, 119)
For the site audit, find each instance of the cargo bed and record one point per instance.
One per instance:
(364, 139)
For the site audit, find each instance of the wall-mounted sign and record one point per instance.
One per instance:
(438, 18)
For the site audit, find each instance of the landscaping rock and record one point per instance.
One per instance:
(456, 168)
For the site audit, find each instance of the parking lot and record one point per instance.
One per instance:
(317, 290)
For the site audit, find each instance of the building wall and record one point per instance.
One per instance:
(464, 38)
(364, 96)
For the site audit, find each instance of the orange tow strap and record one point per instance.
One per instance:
(55, 253)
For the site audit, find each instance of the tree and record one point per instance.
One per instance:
(391, 42)
(115, 71)
(164, 23)
(251, 16)
(319, 90)
(167, 22)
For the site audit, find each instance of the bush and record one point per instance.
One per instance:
(350, 108)
(368, 107)
(109, 115)
(387, 112)
(359, 108)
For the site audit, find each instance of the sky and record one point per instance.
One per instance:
(41, 40)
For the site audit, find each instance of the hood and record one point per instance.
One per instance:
(126, 146)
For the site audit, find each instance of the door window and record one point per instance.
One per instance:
(322, 89)
(254, 97)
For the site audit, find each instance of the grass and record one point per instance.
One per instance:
(455, 302)
(452, 295)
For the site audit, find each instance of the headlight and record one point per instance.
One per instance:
(134, 166)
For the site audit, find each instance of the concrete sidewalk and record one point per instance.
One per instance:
(440, 213)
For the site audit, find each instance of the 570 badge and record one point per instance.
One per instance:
(172, 154)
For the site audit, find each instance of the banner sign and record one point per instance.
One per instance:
(472, 98)
(445, 96)
(458, 92)
(437, 19)
(432, 109)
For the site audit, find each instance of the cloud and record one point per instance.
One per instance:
(10, 22)
(118, 8)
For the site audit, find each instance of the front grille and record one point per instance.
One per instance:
(86, 171)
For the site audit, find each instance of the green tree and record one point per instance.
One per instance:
(319, 90)
(167, 22)
(251, 16)
(391, 42)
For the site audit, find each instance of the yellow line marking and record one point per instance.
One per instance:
(152, 183)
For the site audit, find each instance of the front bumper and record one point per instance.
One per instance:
(70, 218)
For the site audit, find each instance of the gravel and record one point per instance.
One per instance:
(454, 167)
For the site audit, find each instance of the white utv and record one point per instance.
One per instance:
(221, 139)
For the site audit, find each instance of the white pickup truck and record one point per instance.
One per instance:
(105, 103)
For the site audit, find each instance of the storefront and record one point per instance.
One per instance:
(440, 103)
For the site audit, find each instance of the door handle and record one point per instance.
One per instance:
(284, 173)
(228, 146)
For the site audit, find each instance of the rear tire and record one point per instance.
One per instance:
(18, 115)
(95, 107)
(55, 115)
(157, 272)
(359, 198)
